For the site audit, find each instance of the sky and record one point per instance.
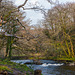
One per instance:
(36, 16)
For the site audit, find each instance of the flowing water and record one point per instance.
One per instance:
(50, 67)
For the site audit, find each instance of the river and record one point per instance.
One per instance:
(50, 67)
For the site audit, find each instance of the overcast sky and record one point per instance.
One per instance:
(35, 16)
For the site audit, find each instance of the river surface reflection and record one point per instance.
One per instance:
(50, 67)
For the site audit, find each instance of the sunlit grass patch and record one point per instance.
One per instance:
(5, 68)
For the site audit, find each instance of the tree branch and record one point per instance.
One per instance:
(22, 4)
(51, 2)
(36, 9)
(0, 0)
(32, 36)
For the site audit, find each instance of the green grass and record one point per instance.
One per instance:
(58, 58)
(20, 67)
(67, 59)
(5, 68)
(61, 58)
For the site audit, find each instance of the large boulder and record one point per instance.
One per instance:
(70, 63)
(37, 62)
(5, 73)
(37, 72)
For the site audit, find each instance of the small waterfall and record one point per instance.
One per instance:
(49, 64)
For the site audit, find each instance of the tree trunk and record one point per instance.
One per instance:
(7, 47)
(10, 47)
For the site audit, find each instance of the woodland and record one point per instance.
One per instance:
(52, 38)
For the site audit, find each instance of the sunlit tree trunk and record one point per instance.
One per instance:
(64, 50)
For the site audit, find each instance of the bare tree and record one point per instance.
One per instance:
(59, 23)
(21, 6)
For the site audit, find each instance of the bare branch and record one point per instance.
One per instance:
(22, 4)
(32, 36)
(36, 9)
(51, 2)
(33, 8)
(0, 0)
(21, 24)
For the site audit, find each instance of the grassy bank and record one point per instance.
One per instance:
(43, 58)
(62, 59)
(14, 68)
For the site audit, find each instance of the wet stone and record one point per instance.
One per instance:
(37, 72)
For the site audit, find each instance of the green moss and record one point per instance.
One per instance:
(13, 65)
(69, 59)
(5, 68)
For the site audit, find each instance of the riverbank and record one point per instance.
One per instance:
(11, 68)
(49, 67)
(43, 58)
(65, 60)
